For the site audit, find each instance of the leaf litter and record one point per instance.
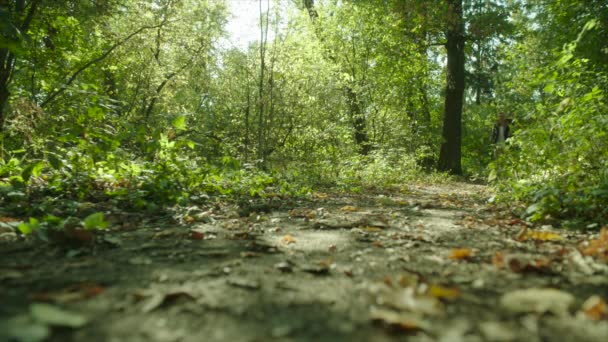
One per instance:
(427, 262)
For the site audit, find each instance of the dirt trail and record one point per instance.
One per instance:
(429, 263)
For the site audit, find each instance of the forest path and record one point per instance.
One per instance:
(427, 263)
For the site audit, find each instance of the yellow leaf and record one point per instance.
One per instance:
(441, 292)
(595, 308)
(288, 239)
(349, 208)
(460, 253)
(539, 236)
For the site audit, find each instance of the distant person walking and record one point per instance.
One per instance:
(500, 134)
(501, 131)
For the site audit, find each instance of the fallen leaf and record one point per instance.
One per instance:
(538, 300)
(408, 300)
(318, 269)
(498, 260)
(406, 322)
(349, 208)
(157, 299)
(595, 308)
(284, 266)
(523, 264)
(497, 331)
(304, 213)
(70, 294)
(55, 316)
(320, 195)
(197, 234)
(597, 247)
(9, 219)
(244, 283)
(288, 239)
(460, 253)
(441, 292)
(538, 236)
(140, 260)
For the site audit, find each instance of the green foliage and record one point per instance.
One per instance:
(140, 105)
(557, 161)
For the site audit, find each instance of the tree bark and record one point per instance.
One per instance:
(450, 153)
(261, 98)
(7, 58)
(359, 122)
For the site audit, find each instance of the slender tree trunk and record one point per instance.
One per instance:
(450, 153)
(7, 58)
(4, 96)
(359, 122)
(247, 114)
(263, 37)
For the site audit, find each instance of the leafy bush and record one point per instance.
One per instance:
(558, 161)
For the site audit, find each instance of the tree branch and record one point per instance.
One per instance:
(96, 60)
(30, 15)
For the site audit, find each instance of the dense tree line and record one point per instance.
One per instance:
(144, 102)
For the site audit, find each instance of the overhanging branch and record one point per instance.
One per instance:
(95, 60)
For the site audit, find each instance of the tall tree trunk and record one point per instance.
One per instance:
(4, 96)
(7, 58)
(359, 122)
(263, 38)
(450, 153)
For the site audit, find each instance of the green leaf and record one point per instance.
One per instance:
(179, 123)
(55, 162)
(28, 228)
(33, 169)
(95, 221)
(95, 113)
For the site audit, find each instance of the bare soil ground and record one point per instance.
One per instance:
(427, 263)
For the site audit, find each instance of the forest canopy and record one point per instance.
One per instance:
(143, 104)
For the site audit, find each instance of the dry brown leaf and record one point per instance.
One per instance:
(401, 321)
(70, 294)
(597, 247)
(197, 235)
(498, 260)
(524, 265)
(595, 308)
(288, 239)
(304, 213)
(320, 195)
(460, 253)
(527, 234)
(7, 219)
